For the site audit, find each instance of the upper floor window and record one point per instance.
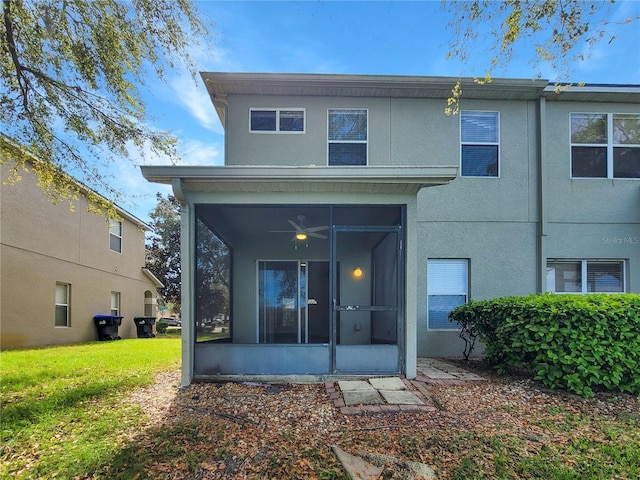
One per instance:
(63, 291)
(605, 145)
(115, 236)
(480, 142)
(278, 120)
(347, 136)
(585, 276)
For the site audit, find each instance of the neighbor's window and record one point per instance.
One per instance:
(115, 236)
(115, 303)
(585, 276)
(605, 145)
(347, 136)
(63, 291)
(480, 142)
(447, 288)
(279, 120)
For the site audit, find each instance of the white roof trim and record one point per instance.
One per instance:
(152, 277)
(396, 179)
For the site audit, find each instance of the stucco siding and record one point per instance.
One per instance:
(41, 244)
(502, 261)
(310, 148)
(584, 200)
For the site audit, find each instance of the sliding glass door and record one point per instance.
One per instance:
(293, 302)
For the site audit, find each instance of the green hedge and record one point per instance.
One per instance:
(161, 327)
(574, 342)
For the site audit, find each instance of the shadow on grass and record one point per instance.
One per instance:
(30, 411)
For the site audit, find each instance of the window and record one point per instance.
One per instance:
(480, 140)
(585, 276)
(605, 145)
(447, 287)
(265, 120)
(347, 136)
(115, 303)
(115, 236)
(62, 304)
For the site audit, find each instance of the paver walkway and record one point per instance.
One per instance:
(395, 394)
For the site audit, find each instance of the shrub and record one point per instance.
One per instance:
(574, 342)
(161, 327)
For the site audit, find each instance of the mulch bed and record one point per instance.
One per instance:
(259, 430)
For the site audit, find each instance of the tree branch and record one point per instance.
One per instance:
(13, 50)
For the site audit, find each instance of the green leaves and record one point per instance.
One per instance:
(70, 79)
(574, 342)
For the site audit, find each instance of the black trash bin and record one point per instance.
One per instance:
(144, 325)
(107, 326)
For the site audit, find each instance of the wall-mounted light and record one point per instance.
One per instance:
(357, 272)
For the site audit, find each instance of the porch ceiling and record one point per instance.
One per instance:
(389, 180)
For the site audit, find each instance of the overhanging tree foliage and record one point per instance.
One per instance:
(163, 258)
(70, 79)
(556, 33)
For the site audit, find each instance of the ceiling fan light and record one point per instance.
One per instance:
(301, 236)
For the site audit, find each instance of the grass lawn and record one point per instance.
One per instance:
(62, 414)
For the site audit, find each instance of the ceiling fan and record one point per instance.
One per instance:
(302, 232)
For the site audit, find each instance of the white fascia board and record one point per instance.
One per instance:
(152, 277)
(398, 175)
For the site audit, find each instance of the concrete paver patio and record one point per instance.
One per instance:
(395, 394)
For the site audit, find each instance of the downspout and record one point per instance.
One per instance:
(541, 253)
(221, 104)
(186, 256)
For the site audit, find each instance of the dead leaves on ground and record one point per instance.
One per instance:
(237, 431)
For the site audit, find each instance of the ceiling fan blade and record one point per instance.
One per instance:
(295, 225)
(317, 235)
(317, 229)
(282, 231)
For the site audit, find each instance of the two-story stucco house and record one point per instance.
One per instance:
(352, 215)
(59, 268)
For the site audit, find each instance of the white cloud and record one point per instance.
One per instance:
(193, 96)
(196, 152)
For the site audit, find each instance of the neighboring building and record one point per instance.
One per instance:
(59, 268)
(352, 215)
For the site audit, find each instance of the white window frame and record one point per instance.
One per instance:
(116, 234)
(66, 304)
(360, 142)
(448, 290)
(115, 303)
(478, 143)
(278, 111)
(584, 263)
(609, 145)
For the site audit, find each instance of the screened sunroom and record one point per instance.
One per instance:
(289, 272)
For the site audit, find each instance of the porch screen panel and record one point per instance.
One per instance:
(212, 286)
(385, 291)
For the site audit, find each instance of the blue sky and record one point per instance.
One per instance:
(358, 37)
